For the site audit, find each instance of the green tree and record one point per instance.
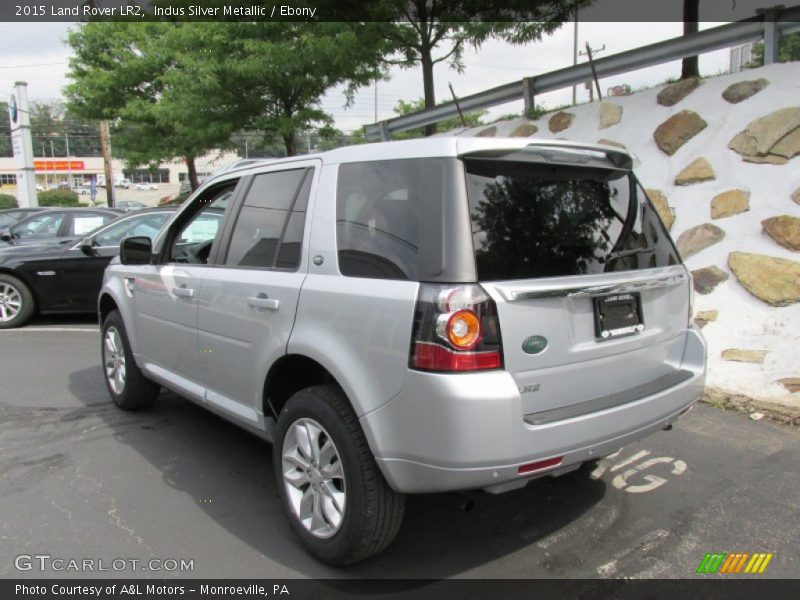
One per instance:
(403, 108)
(5, 132)
(291, 66)
(152, 81)
(181, 89)
(788, 50)
(419, 28)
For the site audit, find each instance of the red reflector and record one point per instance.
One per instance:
(542, 464)
(434, 357)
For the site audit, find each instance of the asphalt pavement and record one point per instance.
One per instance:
(82, 480)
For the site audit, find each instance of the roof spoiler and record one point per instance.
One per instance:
(567, 154)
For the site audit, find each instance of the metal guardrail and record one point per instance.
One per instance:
(724, 36)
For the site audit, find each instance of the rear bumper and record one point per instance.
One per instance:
(467, 431)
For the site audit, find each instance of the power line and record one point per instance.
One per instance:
(32, 66)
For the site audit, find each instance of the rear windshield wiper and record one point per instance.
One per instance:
(623, 253)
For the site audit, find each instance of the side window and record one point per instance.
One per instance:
(192, 243)
(147, 225)
(41, 226)
(269, 230)
(378, 215)
(83, 224)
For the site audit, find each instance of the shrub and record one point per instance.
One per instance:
(8, 201)
(58, 198)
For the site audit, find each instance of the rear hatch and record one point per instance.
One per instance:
(592, 299)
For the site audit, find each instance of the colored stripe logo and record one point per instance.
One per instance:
(734, 562)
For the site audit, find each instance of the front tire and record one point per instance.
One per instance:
(333, 493)
(16, 302)
(126, 384)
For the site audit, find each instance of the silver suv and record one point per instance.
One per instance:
(411, 317)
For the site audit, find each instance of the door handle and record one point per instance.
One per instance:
(183, 292)
(262, 301)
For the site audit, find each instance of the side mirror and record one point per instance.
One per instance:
(5, 236)
(136, 251)
(87, 248)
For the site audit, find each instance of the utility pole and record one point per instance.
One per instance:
(575, 56)
(69, 162)
(105, 146)
(376, 102)
(53, 158)
(44, 160)
(588, 53)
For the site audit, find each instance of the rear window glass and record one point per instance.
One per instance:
(533, 221)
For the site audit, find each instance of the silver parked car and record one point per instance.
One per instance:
(412, 317)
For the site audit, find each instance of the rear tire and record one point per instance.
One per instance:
(17, 304)
(332, 491)
(128, 386)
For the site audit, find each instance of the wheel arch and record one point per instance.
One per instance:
(290, 374)
(114, 297)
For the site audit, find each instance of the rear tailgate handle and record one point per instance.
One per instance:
(183, 292)
(262, 301)
(634, 286)
(581, 291)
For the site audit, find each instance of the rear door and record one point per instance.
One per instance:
(591, 296)
(247, 304)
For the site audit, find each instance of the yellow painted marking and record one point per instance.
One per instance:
(767, 558)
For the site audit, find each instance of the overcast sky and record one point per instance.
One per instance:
(37, 53)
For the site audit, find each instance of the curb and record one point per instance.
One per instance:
(779, 413)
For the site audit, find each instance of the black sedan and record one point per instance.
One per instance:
(66, 278)
(55, 226)
(10, 216)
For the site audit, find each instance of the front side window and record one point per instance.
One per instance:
(535, 220)
(269, 230)
(192, 243)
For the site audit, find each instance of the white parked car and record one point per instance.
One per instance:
(146, 186)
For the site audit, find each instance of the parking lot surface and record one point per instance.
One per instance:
(84, 480)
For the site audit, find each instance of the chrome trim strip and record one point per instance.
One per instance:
(582, 291)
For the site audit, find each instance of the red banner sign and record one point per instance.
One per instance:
(58, 165)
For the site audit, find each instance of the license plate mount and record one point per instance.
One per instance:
(617, 315)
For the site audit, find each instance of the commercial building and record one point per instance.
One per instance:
(81, 169)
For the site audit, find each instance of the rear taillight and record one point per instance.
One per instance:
(455, 329)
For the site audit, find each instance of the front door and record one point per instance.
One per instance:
(166, 294)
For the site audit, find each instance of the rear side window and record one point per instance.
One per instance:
(532, 220)
(83, 224)
(269, 229)
(389, 217)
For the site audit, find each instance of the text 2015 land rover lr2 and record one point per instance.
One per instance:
(411, 317)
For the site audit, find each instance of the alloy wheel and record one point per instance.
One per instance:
(114, 360)
(314, 478)
(10, 302)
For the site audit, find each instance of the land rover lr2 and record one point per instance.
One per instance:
(411, 317)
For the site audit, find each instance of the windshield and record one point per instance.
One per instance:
(531, 220)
